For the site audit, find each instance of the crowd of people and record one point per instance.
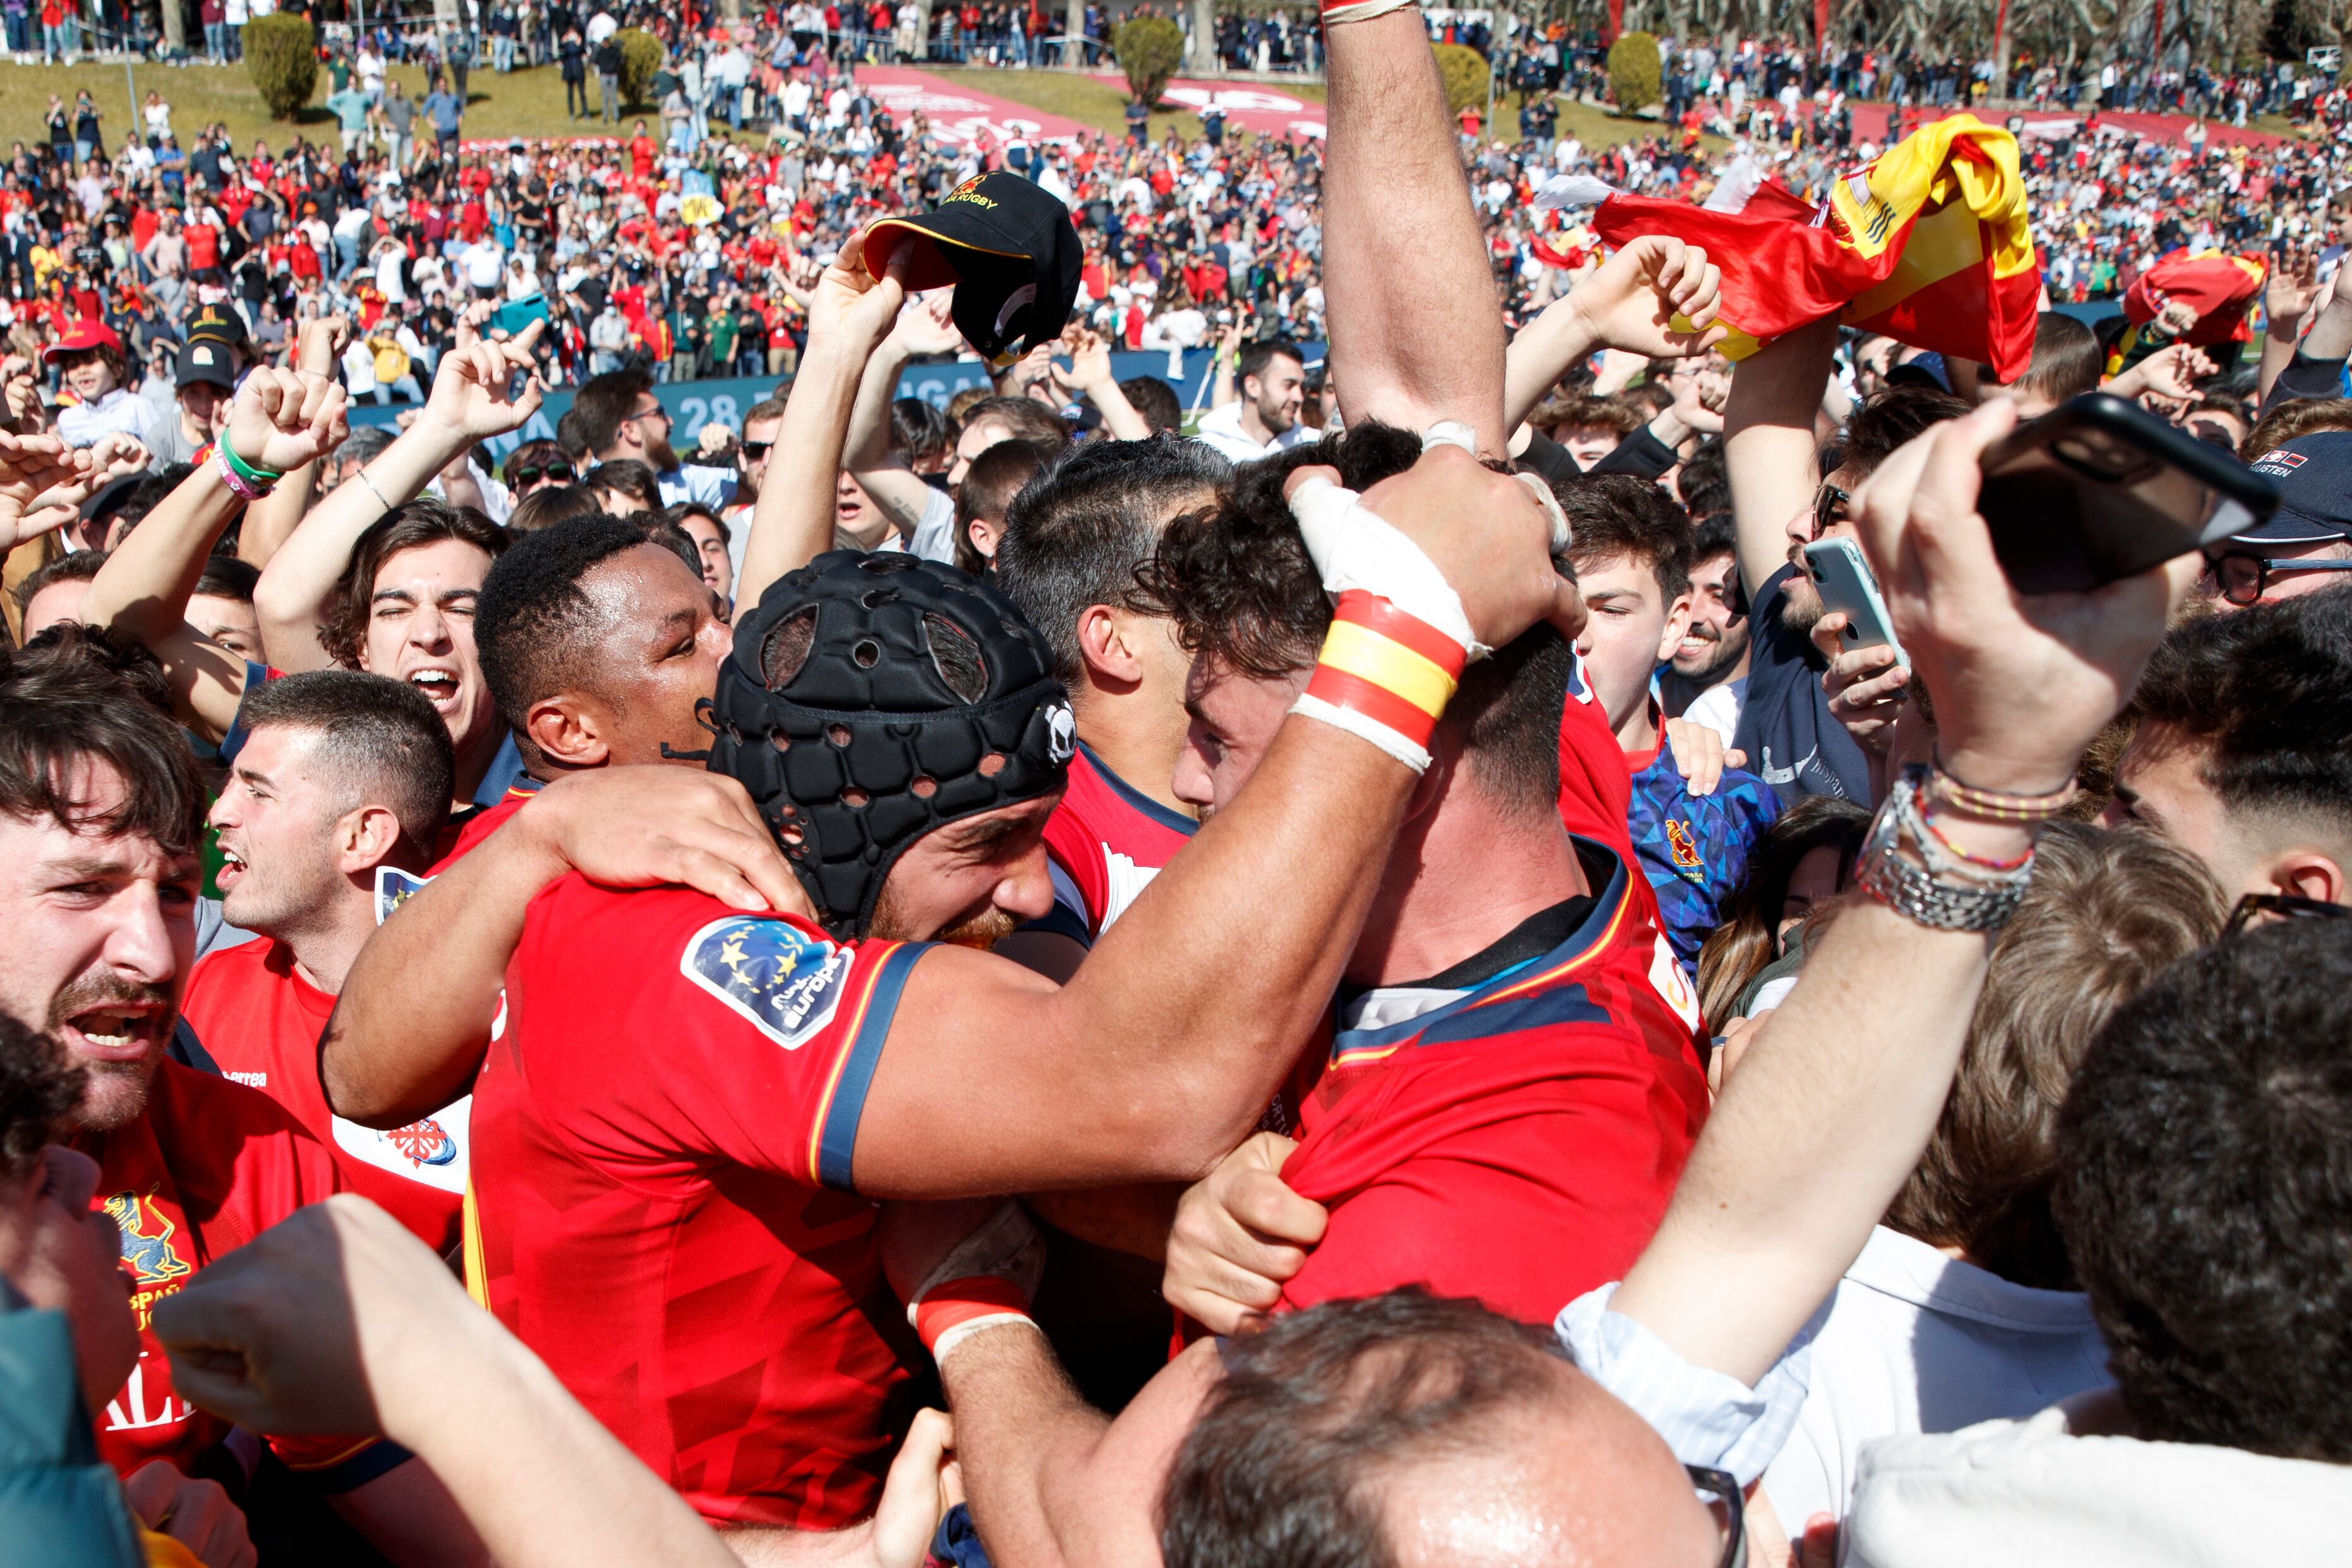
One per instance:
(1366, 974)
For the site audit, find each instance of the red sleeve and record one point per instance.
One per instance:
(769, 1030)
(1074, 849)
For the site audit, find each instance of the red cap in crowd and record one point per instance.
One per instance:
(83, 335)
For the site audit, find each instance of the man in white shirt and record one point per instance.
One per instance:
(601, 27)
(485, 264)
(1264, 419)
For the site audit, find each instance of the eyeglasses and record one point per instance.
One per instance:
(754, 450)
(1719, 1490)
(2244, 576)
(655, 412)
(1826, 503)
(2259, 909)
(559, 472)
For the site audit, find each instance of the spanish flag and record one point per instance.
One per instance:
(1928, 242)
(2220, 287)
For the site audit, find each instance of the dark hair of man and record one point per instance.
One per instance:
(1282, 1464)
(995, 477)
(423, 522)
(2204, 1187)
(533, 627)
(918, 431)
(548, 505)
(761, 412)
(1023, 419)
(1156, 402)
(384, 736)
(2267, 691)
(1256, 356)
(572, 435)
(2106, 911)
(226, 577)
(658, 528)
(1705, 481)
(1746, 939)
(1890, 419)
(2066, 358)
(366, 443)
(1614, 515)
(601, 405)
(1588, 413)
(1075, 534)
(1237, 581)
(1712, 535)
(678, 514)
(80, 566)
(39, 1086)
(629, 478)
(64, 703)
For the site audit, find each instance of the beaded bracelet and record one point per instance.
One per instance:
(237, 483)
(1996, 806)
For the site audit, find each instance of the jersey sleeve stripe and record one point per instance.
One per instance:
(834, 1139)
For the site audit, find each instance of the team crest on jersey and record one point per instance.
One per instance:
(147, 1240)
(782, 979)
(425, 1142)
(1679, 844)
(1061, 733)
(394, 888)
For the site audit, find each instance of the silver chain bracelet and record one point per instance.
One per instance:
(1903, 867)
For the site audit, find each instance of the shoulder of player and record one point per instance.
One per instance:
(226, 1144)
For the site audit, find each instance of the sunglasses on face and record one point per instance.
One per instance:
(2261, 909)
(754, 450)
(1828, 508)
(560, 473)
(2244, 576)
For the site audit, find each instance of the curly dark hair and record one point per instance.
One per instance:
(39, 1086)
(2204, 1188)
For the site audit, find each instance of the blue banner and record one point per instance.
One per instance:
(694, 403)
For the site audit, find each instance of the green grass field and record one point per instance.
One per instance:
(530, 103)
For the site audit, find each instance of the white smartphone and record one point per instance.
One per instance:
(1845, 582)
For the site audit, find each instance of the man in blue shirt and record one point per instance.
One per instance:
(446, 111)
(1632, 555)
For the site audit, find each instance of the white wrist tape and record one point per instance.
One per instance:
(1353, 547)
(1363, 10)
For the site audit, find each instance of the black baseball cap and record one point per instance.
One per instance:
(219, 324)
(1007, 246)
(2314, 481)
(204, 360)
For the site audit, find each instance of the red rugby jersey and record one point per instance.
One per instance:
(1518, 1143)
(1596, 792)
(1106, 841)
(663, 1132)
(261, 1021)
(207, 1167)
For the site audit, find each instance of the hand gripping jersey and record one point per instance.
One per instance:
(663, 1138)
(205, 1168)
(1516, 1141)
(261, 1021)
(1106, 841)
(1694, 848)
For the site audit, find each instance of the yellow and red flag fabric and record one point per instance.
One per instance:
(1928, 242)
(2220, 287)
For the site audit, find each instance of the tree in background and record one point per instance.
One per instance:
(1465, 74)
(281, 54)
(1148, 50)
(641, 56)
(1634, 72)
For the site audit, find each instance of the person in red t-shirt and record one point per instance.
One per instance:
(642, 152)
(97, 916)
(340, 773)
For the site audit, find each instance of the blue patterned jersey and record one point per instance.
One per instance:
(1694, 848)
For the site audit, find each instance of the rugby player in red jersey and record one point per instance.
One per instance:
(680, 1089)
(1072, 541)
(100, 814)
(341, 774)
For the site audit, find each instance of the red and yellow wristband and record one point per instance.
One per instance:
(954, 1311)
(1383, 675)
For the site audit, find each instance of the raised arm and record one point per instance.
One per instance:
(1416, 328)
(1838, 1095)
(1770, 444)
(1091, 374)
(473, 399)
(1628, 302)
(848, 368)
(280, 417)
(270, 521)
